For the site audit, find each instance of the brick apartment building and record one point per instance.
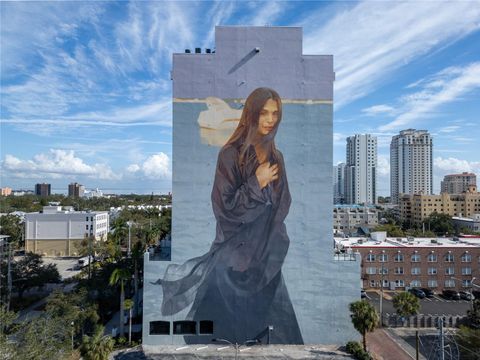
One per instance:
(439, 263)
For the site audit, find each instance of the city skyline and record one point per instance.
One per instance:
(86, 90)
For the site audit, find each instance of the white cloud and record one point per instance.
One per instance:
(57, 163)
(446, 86)
(449, 129)
(372, 39)
(268, 13)
(133, 168)
(156, 166)
(379, 110)
(383, 165)
(444, 166)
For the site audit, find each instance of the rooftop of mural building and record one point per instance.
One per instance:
(246, 55)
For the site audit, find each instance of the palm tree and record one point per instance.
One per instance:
(406, 304)
(97, 346)
(137, 255)
(364, 318)
(120, 275)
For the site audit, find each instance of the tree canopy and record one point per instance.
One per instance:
(364, 318)
(406, 304)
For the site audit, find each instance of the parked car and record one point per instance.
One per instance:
(465, 295)
(417, 292)
(428, 292)
(363, 294)
(451, 295)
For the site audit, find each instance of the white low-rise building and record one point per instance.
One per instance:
(60, 232)
(471, 223)
(348, 218)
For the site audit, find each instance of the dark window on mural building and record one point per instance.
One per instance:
(206, 327)
(159, 328)
(184, 327)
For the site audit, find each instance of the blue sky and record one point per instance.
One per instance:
(86, 92)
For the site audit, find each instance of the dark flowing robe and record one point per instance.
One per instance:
(238, 284)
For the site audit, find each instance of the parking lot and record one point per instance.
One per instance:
(66, 266)
(428, 306)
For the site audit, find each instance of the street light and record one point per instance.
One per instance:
(237, 345)
(129, 223)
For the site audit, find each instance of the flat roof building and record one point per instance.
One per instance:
(59, 232)
(401, 263)
(458, 183)
(416, 208)
(43, 189)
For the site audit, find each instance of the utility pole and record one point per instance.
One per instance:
(9, 275)
(417, 345)
(442, 344)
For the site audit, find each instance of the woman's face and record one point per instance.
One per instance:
(268, 117)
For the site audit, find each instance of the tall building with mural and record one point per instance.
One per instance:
(251, 250)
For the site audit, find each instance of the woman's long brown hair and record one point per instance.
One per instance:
(246, 132)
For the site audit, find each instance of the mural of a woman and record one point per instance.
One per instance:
(238, 284)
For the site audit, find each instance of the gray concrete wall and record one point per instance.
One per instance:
(320, 288)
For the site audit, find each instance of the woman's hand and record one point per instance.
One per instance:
(266, 174)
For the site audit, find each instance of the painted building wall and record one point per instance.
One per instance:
(211, 88)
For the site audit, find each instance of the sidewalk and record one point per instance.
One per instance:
(385, 346)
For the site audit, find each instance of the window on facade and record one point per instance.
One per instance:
(86, 219)
(449, 283)
(184, 327)
(398, 258)
(449, 257)
(466, 258)
(399, 283)
(206, 327)
(416, 258)
(370, 257)
(86, 227)
(399, 271)
(466, 271)
(383, 271)
(432, 271)
(415, 283)
(371, 270)
(449, 271)
(159, 328)
(385, 283)
(372, 283)
(432, 283)
(467, 283)
(432, 258)
(383, 258)
(416, 271)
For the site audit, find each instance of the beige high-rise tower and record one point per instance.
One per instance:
(411, 163)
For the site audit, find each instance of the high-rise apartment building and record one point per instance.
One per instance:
(411, 163)
(458, 183)
(76, 190)
(361, 169)
(42, 189)
(339, 183)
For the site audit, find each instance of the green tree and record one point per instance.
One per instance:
(30, 272)
(12, 226)
(406, 304)
(75, 308)
(391, 229)
(469, 341)
(120, 276)
(473, 315)
(440, 224)
(97, 346)
(364, 318)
